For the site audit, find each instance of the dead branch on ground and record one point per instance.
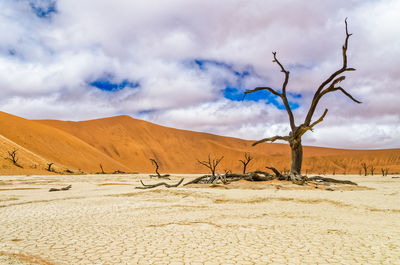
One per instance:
(331, 180)
(150, 186)
(62, 189)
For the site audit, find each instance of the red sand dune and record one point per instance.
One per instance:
(126, 144)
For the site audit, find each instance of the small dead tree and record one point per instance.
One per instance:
(372, 170)
(102, 170)
(329, 85)
(383, 172)
(13, 157)
(334, 171)
(155, 163)
(49, 167)
(211, 164)
(365, 168)
(245, 161)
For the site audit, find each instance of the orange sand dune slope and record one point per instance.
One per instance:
(48, 144)
(126, 144)
(132, 142)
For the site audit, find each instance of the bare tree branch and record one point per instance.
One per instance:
(283, 96)
(154, 162)
(196, 180)
(347, 94)
(277, 173)
(344, 68)
(211, 163)
(150, 186)
(261, 88)
(245, 161)
(272, 139)
(303, 128)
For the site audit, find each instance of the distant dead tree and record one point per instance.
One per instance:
(158, 175)
(49, 167)
(372, 170)
(245, 161)
(211, 164)
(102, 170)
(334, 171)
(365, 167)
(13, 157)
(327, 86)
(384, 173)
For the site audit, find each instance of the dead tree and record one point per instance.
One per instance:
(245, 161)
(327, 86)
(49, 167)
(334, 171)
(154, 162)
(102, 170)
(365, 167)
(13, 157)
(383, 172)
(372, 170)
(211, 164)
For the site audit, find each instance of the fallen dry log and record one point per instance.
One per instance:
(166, 176)
(231, 177)
(251, 176)
(197, 180)
(331, 180)
(150, 186)
(63, 188)
(264, 176)
(279, 176)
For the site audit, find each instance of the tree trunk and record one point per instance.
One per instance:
(297, 155)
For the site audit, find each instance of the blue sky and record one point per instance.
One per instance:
(186, 64)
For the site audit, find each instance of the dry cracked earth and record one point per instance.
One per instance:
(103, 219)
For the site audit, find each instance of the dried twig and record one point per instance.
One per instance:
(150, 186)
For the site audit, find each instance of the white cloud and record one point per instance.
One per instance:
(47, 63)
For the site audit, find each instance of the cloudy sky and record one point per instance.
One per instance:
(186, 64)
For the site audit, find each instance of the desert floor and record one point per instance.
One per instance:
(103, 219)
